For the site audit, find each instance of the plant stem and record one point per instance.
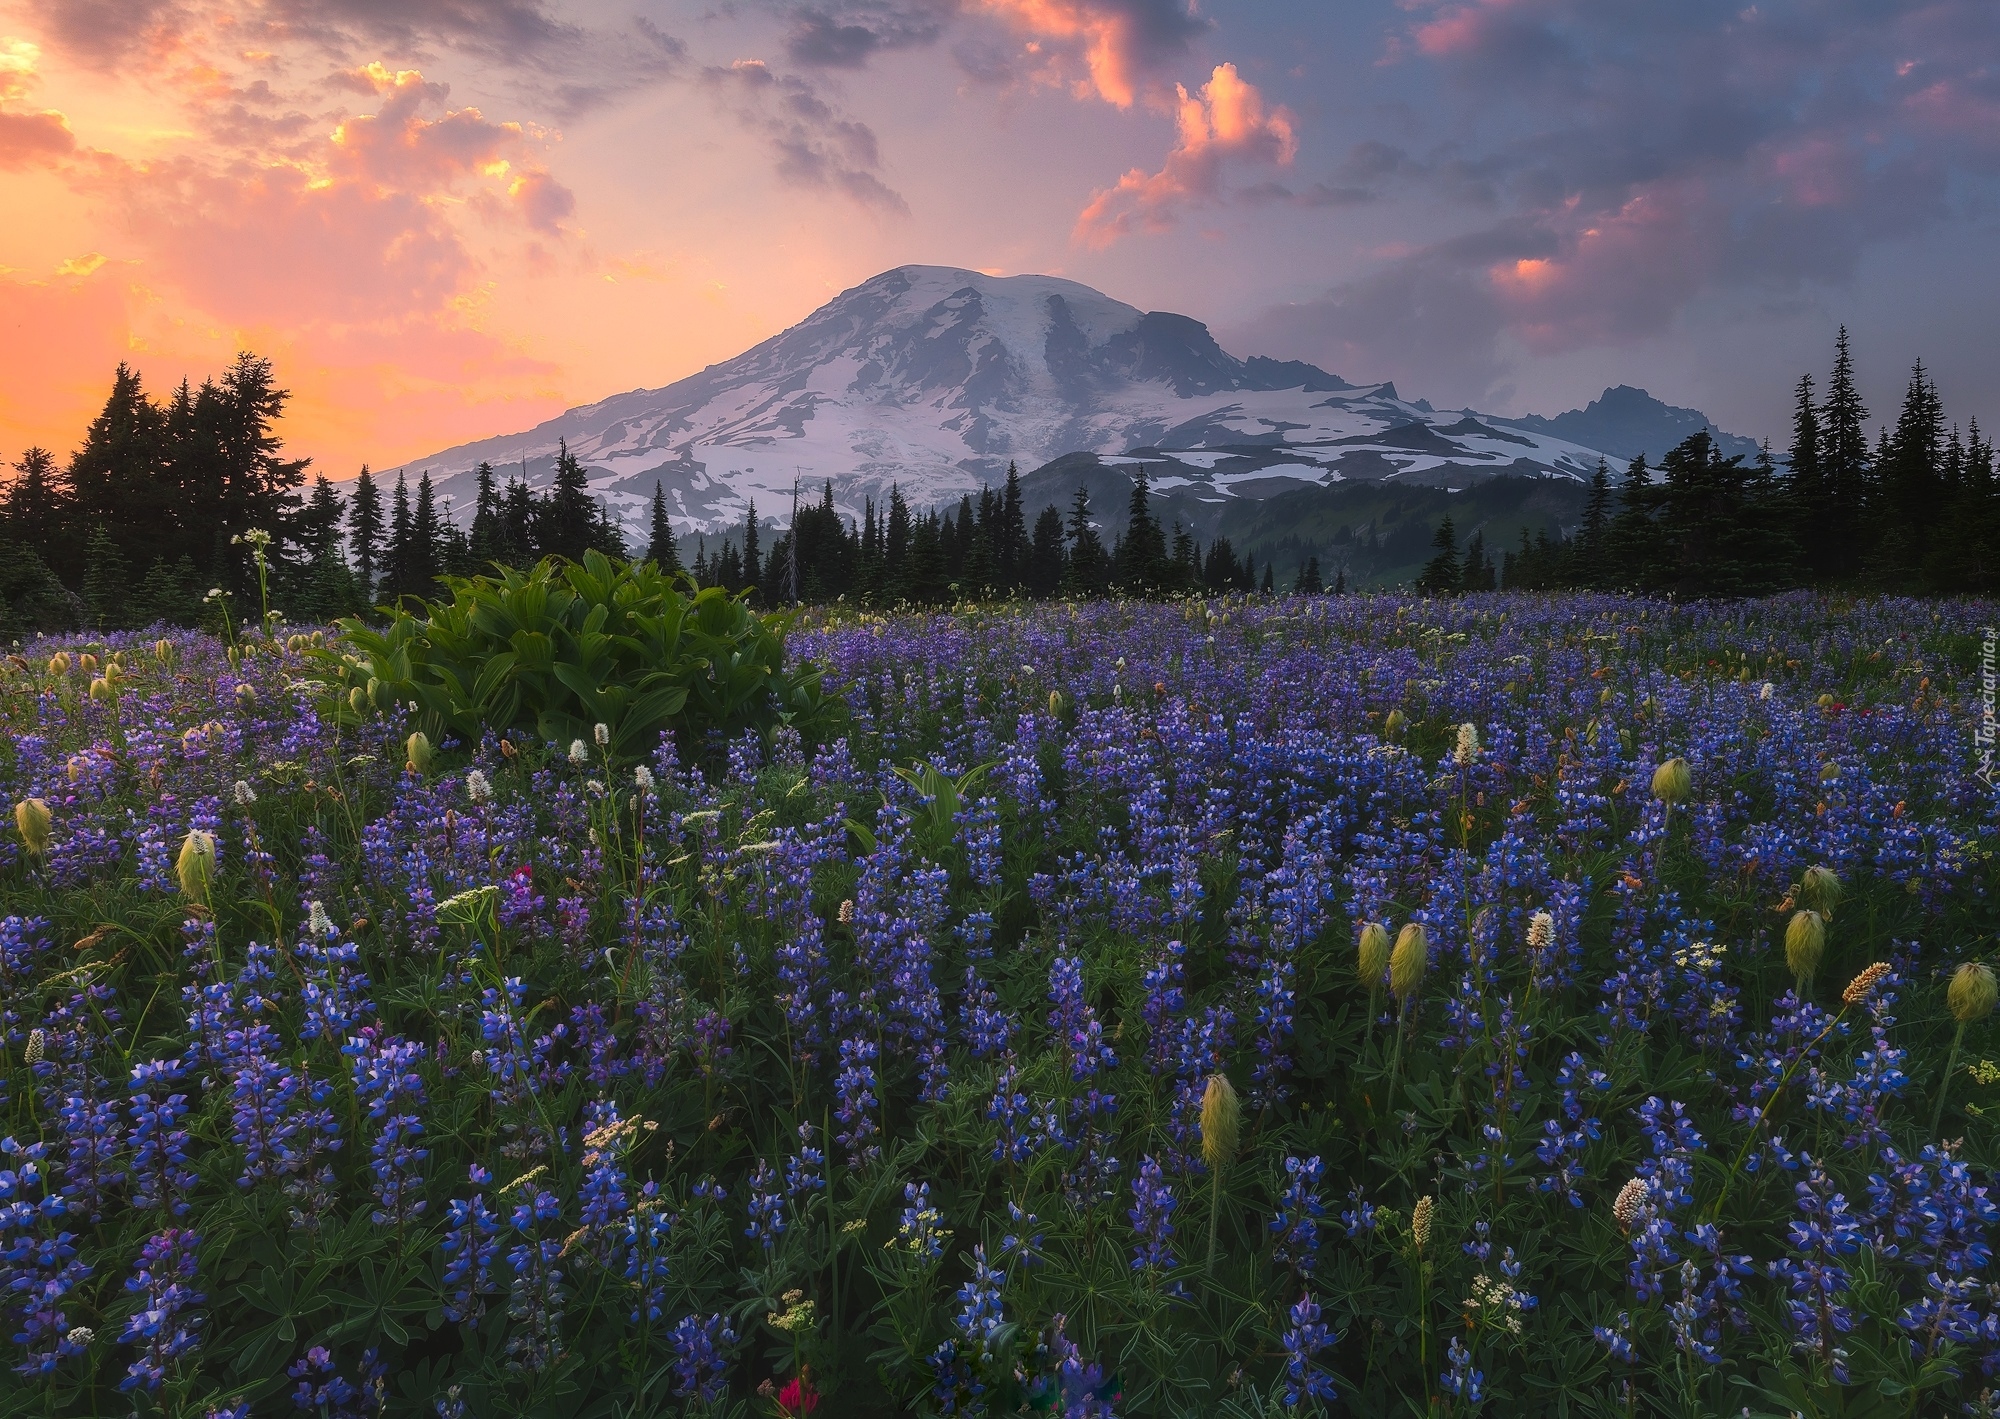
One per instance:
(1944, 1084)
(1214, 1218)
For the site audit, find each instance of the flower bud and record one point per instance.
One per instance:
(1393, 722)
(417, 752)
(1055, 702)
(246, 695)
(507, 749)
(33, 821)
(86, 661)
(196, 865)
(1805, 943)
(356, 698)
(1829, 771)
(163, 651)
(1372, 953)
(1672, 781)
(1221, 1112)
(1409, 960)
(101, 691)
(1819, 889)
(59, 663)
(1826, 702)
(1972, 992)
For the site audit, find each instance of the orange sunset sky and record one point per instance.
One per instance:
(446, 219)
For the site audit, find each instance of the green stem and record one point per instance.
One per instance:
(1214, 1218)
(1758, 1125)
(1944, 1084)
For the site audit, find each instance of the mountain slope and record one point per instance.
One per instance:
(935, 379)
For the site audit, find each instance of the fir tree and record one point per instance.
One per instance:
(399, 556)
(1043, 575)
(488, 543)
(364, 530)
(660, 548)
(427, 542)
(1088, 568)
(1142, 555)
(1844, 468)
(518, 516)
(1441, 573)
(106, 582)
(567, 519)
(753, 573)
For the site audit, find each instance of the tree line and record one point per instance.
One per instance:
(145, 523)
(1917, 510)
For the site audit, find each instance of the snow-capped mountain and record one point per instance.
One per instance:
(935, 379)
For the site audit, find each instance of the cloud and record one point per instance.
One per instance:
(846, 37)
(28, 139)
(1622, 163)
(102, 33)
(815, 147)
(1226, 121)
(1122, 46)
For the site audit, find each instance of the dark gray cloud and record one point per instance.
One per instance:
(102, 32)
(814, 145)
(1620, 163)
(846, 37)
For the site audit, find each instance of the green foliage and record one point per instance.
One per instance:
(564, 647)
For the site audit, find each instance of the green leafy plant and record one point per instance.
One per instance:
(564, 647)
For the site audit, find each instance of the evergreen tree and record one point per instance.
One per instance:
(319, 524)
(1268, 586)
(115, 485)
(427, 550)
(1088, 568)
(753, 572)
(1630, 550)
(1014, 551)
(1142, 555)
(660, 548)
(106, 582)
(1441, 573)
(896, 548)
(488, 542)
(1043, 575)
(1308, 582)
(36, 510)
(1844, 469)
(399, 556)
(567, 519)
(364, 531)
(518, 523)
(1477, 572)
(1588, 569)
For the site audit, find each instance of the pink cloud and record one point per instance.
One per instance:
(27, 139)
(1227, 120)
(1119, 43)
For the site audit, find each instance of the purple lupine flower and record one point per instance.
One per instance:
(767, 1207)
(1300, 1207)
(160, 1328)
(161, 1175)
(805, 1170)
(703, 1349)
(1814, 1276)
(535, 1299)
(38, 1266)
(1152, 1218)
(1305, 1376)
(471, 1241)
(333, 993)
(1461, 1381)
(647, 1229)
(324, 1391)
(855, 1087)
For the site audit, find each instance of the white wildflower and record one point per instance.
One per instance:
(1468, 745)
(643, 777)
(477, 788)
(602, 734)
(318, 923)
(81, 1335)
(579, 752)
(1765, 693)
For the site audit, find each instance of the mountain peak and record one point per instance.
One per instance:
(1625, 422)
(935, 378)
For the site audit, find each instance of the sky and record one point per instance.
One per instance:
(447, 219)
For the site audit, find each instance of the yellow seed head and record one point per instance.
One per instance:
(418, 750)
(1819, 889)
(1858, 988)
(1972, 992)
(1393, 722)
(1829, 771)
(1420, 1221)
(1408, 962)
(1672, 781)
(1625, 1207)
(101, 691)
(33, 821)
(196, 865)
(1372, 953)
(163, 651)
(246, 695)
(1221, 1112)
(37, 1042)
(59, 663)
(1805, 943)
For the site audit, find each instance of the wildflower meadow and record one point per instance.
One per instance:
(1507, 1004)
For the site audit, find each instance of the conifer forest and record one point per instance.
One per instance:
(993, 959)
